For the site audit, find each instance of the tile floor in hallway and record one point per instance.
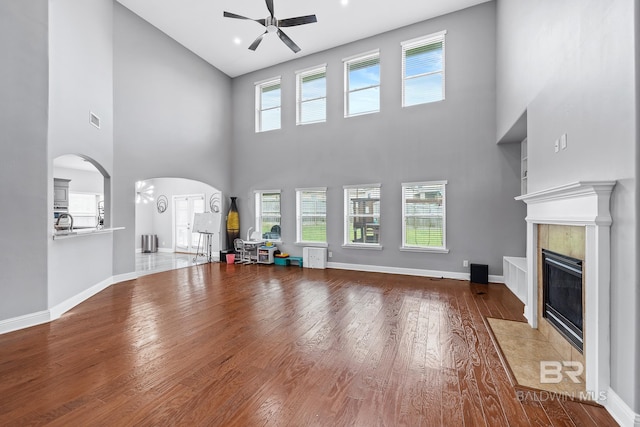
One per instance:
(149, 263)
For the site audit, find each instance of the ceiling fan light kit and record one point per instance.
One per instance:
(273, 25)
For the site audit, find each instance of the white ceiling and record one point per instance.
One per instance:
(200, 26)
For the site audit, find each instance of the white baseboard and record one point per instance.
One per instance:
(620, 411)
(25, 321)
(163, 250)
(124, 277)
(33, 319)
(408, 271)
(58, 310)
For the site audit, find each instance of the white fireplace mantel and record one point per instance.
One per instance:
(583, 203)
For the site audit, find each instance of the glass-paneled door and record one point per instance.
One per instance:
(185, 207)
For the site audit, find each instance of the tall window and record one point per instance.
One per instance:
(311, 212)
(268, 214)
(423, 70)
(362, 215)
(362, 84)
(312, 96)
(84, 209)
(268, 105)
(424, 216)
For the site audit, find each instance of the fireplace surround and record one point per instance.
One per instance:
(583, 203)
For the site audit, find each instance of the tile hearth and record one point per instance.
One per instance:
(523, 349)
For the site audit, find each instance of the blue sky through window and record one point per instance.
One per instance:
(423, 73)
(270, 103)
(364, 86)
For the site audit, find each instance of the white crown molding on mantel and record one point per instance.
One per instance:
(578, 203)
(582, 203)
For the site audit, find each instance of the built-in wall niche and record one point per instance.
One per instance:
(87, 191)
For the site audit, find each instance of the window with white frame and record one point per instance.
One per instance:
(268, 214)
(362, 215)
(312, 96)
(423, 70)
(268, 105)
(362, 84)
(83, 207)
(311, 212)
(424, 216)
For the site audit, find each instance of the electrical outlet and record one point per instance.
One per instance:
(465, 263)
(557, 145)
(330, 254)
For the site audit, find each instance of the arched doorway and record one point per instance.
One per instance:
(165, 209)
(81, 191)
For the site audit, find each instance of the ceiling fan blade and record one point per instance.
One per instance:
(257, 41)
(285, 38)
(236, 16)
(300, 20)
(270, 7)
(233, 15)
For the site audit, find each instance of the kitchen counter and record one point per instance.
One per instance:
(80, 232)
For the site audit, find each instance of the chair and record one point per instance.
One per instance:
(238, 247)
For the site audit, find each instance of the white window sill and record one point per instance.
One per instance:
(366, 247)
(417, 249)
(313, 244)
(348, 116)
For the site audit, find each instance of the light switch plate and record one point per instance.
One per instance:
(563, 141)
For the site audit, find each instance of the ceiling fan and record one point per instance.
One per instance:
(273, 25)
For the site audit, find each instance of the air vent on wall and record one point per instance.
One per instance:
(95, 120)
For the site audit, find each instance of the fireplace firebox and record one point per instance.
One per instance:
(562, 295)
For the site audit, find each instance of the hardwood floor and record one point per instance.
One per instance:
(232, 345)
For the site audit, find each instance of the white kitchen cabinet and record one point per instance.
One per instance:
(60, 193)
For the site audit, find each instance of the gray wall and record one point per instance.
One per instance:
(23, 156)
(172, 119)
(571, 66)
(81, 81)
(452, 140)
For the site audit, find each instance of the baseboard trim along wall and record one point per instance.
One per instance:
(25, 321)
(620, 411)
(40, 317)
(56, 311)
(409, 271)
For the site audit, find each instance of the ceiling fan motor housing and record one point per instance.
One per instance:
(271, 23)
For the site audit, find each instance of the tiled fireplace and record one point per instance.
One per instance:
(574, 220)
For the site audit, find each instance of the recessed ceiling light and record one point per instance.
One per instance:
(344, 2)
(237, 40)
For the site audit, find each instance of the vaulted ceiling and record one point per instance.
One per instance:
(199, 25)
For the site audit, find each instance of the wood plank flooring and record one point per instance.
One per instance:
(232, 345)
